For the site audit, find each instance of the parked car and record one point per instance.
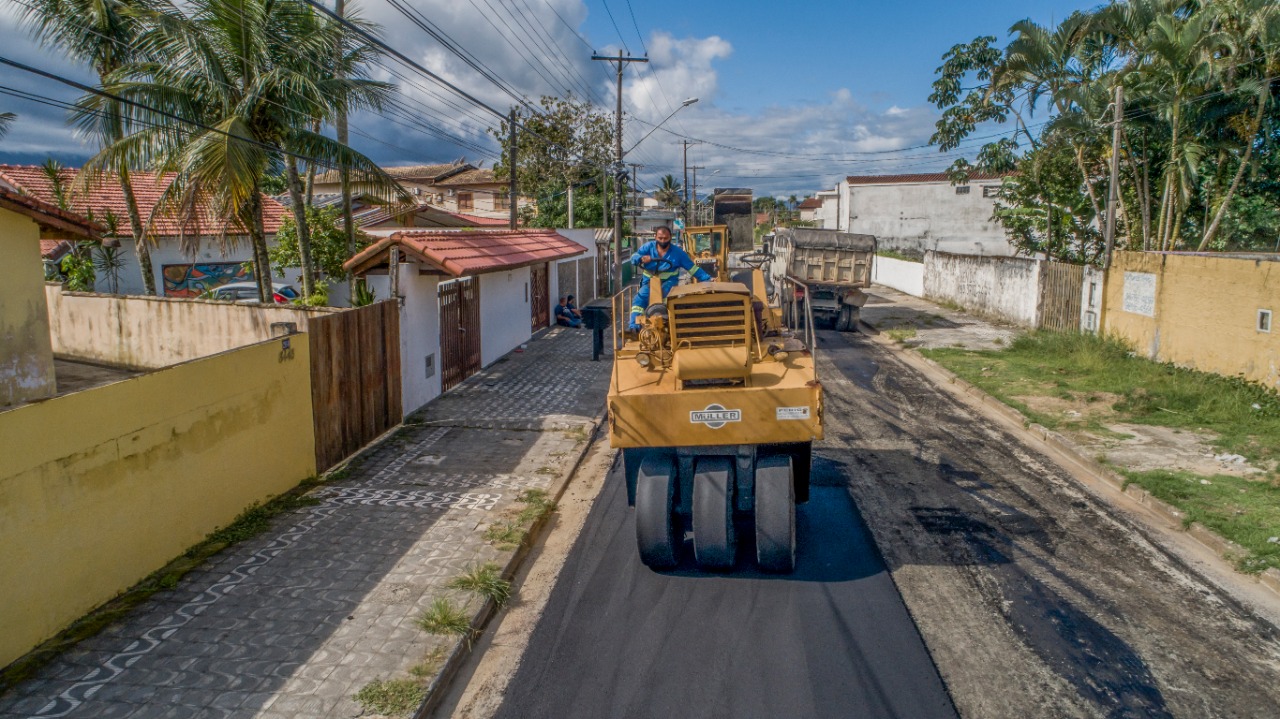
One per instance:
(248, 292)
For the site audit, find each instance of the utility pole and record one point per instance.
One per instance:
(694, 205)
(571, 204)
(1113, 196)
(344, 175)
(511, 192)
(688, 207)
(619, 170)
(635, 195)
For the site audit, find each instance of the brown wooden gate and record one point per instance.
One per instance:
(355, 378)
(539, 297)
(1061, 290)
(459, 331)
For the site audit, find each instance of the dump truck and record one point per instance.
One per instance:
(836, 266)
(715, 405)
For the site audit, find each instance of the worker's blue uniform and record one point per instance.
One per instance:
(679, 259)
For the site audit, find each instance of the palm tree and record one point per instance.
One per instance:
(249, 73)
(1252, 30)
(6, 119)
(103, 34)
(1178, 62)
(669, 192)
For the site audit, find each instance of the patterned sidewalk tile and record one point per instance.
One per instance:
(295, 621)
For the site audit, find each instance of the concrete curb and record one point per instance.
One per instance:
(1174, 518)
(462, 647)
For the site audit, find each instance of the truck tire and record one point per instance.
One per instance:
(658, 531)
(714, 544)
(847, 320)
(775, 514)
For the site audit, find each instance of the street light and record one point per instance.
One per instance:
(683, 105)
(619, 171)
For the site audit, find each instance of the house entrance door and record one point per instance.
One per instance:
(539, 297)
(459, 331)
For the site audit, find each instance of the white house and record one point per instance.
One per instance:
(915, 213)
(471, 296)
(177, 273)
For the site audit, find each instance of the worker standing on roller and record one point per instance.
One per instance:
(659, 257)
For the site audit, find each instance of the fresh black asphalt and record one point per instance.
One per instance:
(831, 640)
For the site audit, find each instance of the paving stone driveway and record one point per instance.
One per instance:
(295, 621)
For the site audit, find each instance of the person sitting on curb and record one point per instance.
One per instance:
(573, 307)
(661, 258)
(565, 316)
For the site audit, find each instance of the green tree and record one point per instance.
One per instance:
(328, 245)
(240, 69)
(567, 143)
(669, 192)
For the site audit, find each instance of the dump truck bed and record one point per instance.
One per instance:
(824, 257)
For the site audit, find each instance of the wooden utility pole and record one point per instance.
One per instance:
(619, 170)
(511, 160)
(1113, 196)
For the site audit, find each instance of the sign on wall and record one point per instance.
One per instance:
(1140, 293)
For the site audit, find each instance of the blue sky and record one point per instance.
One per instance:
(815, 91)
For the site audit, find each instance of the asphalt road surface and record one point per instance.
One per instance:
(943, 566)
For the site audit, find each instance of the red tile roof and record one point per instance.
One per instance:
(54, 222)
(926, 177)
(812, 203)
(470, 252)
(479, 221)
(54, 249)
(106, 196)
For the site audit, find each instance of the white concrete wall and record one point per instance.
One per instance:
(505, 310)
(1004, 288)
(167, 252)
(419, 333)
(901, 275)
(916, 217)
(828, 216)
(151, 332)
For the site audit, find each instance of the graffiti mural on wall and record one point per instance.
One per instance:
(195, 280)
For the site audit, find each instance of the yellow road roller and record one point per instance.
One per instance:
(715, 405)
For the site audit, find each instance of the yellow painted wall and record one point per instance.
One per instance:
(100, 488)
(1206, 312)
(26, 357)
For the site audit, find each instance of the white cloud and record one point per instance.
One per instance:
(533, 52)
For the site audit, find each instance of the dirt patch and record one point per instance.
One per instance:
(1145, 448)
(1090, 421)
(1072, 408)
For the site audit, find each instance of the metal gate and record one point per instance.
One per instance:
(539, 297)
(1061, 288)
(459, 331)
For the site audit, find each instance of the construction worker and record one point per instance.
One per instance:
(665, 260)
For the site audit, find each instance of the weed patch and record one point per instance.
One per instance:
(445, 618)
(1243, 510)
(895, 255)
(504, 534)
(901, 334)
(393, 697)
(485, 580)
